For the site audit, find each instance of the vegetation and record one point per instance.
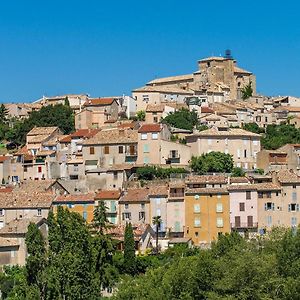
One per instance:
(129, 250)
(141, 115)
(247, 91)
(213, 162)
(182, 118)
(237, 172)
(58, 115)
(234, 268)
(253, 127)
(154, 172)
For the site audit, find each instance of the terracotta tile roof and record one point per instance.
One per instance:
(8, 242)
(108, 194)
(84, 133)
(177, 184)
(75, 198)
(150, 128)
(99, 101)
(53, 141)
(230, 132)
(240, 70)
(206, 191)
(135, 195)
(4, 158)
(130, 125)
(118, 231)
(37, 138)
(158, 190)
(155, 108)
(20, 199)
(267, 186)
(76, 160)
(42, 131)
(45, 152)
(206, 110)
(113, 136)
(20, 226)
(66, 139)
(164, 89)
(211, 179)
(171, 78)
(6, 190)
(287, 176)
(239, 180)
(243, 187)
(30, 186)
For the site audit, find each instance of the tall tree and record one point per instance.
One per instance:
(157, 222)
(183, 119)
(247, 91)
(3, 113)
(129, 250)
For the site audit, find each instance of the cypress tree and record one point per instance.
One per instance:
(129, 250)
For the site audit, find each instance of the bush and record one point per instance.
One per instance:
(152, 172)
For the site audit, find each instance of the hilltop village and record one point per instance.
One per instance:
(202, 154)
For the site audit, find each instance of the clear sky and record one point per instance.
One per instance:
(111, 47)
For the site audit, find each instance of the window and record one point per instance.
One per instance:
(220, 222)
(144, 136)
(1, 212)
(121, 149)
(269, 220)
(146, 98)
(146, 148)
(39, 169)
(196, 208)
(248, 195)
(106, 149)
(158, 212)
(177, 226)
(39, 212)
(126, 216)
(268, 194)
(293, 207)
(75, 168)
(294, 196)
(294, 221)
(238, 153)
(269, 206)
(92, 150)
(209, 141)
(196, 233)
(142, 205)
(242, 206)
(255, 142)
(25, 169)
(154, 136)
(245, 153)
(157, 200)
(141, 215)
(126, 206)
(219, 208)
(115, 175)
(73, 177)
(155, 119)
(294, 186)
(84, 215)
(146, 160)
(197, 222)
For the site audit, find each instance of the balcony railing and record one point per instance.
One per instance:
(176, 156)
(176, 195)
(244, 225)
(131, 153)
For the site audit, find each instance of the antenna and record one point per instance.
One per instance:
(228, 54)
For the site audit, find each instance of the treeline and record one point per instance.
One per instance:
(14, 130)
(235, 268)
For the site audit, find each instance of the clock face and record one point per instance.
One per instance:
(197, 197)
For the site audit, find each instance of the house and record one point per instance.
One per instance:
(155, 147)
(110, 147)
(134, 206)
(271, 160)
(243, 208)
(5, 164)
(241, 144)
(293, 155)
(84, 204)
(95, 112)
(110, 198)
(13, 250)
(214, 120)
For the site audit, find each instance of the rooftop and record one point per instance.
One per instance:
(214, 179)
(108, 194)
(228, 132)
(99, 101)
(150, 128)
(42, 131)
(171, 79)
(135, 195)
(75, 198)
(20, 226)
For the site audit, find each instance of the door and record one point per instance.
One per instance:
(250, 221)
(237, 221)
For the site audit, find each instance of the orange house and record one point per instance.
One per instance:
(83, 204)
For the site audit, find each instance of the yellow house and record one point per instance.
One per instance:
(83, 204)
(206, 214)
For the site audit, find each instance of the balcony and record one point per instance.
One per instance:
(131, 153)
(173, 158)
(244, 225)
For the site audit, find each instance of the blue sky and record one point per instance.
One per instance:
(111, 47)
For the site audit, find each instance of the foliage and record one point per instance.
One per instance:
(279, 135)
(247, 91)
(175, 138)
(58, 115)
(253, 127)
(129, 250)
(259, 171)
(182, 118)
(212, 162)
(3, 113)
(141, 115)
(152, 172)
(238, 172)
(201, 127)
(157, 222)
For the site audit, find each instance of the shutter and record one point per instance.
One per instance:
(289, 208)
(273, 206)
(297, 207)
(265, 206)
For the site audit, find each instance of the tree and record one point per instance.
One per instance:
(141, 115)
(3, 113)
(182, 118)
(253, 127)
(247, 91)
(238, 172)
(129, 250)
(157, 222)
(67, 102)
(213, 162)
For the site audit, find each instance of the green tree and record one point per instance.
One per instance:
(253, 127)
(141, 115)
(182, 118)
(238, 172)
(3, 113)
(129, 250)
(67, 102)
(247, 91)
(157, 222)
(212, 162)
